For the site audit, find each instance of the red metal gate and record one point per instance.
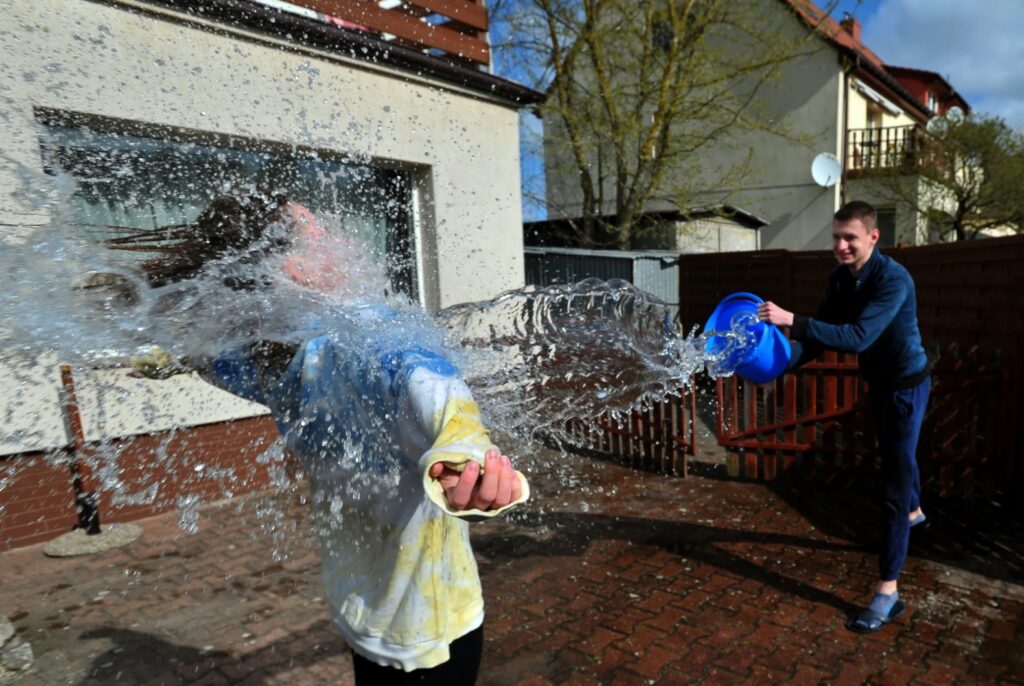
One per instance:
(815, 424)
(801, 424)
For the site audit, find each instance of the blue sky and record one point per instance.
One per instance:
(976, 46)
(862, 9)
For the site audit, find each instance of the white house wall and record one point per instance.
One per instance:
(714, 235)
(905, 196)
(147, 66)
(907, 230)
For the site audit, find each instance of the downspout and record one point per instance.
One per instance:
(86, 500)
(845, 138)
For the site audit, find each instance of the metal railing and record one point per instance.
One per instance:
(902, 148)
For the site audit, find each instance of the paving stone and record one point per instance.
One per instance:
(658, 579)
(6, 630)
(16, 655)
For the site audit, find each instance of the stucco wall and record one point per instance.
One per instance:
(904, 196)
(714, 235)
(805, 101)
(88, 57)
(147, 66)
(860, 105)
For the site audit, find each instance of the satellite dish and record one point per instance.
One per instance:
(955, 113)
(826, 170)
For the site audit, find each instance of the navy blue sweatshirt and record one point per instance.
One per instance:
(873, 314)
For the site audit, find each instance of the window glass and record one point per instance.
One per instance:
(137, 181)
(886, 227)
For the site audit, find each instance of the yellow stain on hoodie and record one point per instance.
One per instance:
(460, 423)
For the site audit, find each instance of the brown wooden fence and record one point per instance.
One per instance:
(969, 293)
(659, 438)
(811, 425)
(814, 424)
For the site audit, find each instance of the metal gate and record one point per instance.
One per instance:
(815, 424)
(801, 425)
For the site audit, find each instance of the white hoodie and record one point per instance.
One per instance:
(398, 569)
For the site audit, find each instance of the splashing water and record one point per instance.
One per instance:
(542, 357)
(70, 294)
(535, 358)
(71, 300)
(725, 350)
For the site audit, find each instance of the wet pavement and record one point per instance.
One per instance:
(609, 576)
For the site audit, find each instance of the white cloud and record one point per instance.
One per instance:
(975, 45)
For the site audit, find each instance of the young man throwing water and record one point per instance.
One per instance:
(870, 308)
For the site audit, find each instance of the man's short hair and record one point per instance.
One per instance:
(858, 209)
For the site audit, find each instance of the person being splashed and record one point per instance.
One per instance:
(380, 421)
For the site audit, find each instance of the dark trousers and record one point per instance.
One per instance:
(898, 418)
(460, 670)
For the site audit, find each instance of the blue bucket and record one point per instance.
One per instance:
(763, 361)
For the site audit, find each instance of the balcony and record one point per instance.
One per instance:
(456, 29)
(894, 148)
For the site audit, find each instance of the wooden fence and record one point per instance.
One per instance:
(814, 424)
(968, 293)
(659, 438)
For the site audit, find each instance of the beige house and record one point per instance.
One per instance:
(837, 98)
(382, 115)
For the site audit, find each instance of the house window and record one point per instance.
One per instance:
(147, 178)
(933, 102)
(874, 117)
(886, 227)
(871, 146)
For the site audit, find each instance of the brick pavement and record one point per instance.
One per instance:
(610, 576)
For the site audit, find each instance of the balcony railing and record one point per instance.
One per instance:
(902, 148)
(453, 28)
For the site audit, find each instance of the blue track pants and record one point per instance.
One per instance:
(898, 417)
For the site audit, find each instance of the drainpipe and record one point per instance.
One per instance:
(845, 138)
(86, 502)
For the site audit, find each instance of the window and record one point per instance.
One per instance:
(886, 227)
(933, 102)
(874, 117)
(148, 178)
(872, 143)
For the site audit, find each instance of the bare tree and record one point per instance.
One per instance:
(639, 89)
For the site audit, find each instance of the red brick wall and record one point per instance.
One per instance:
(38, 500)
